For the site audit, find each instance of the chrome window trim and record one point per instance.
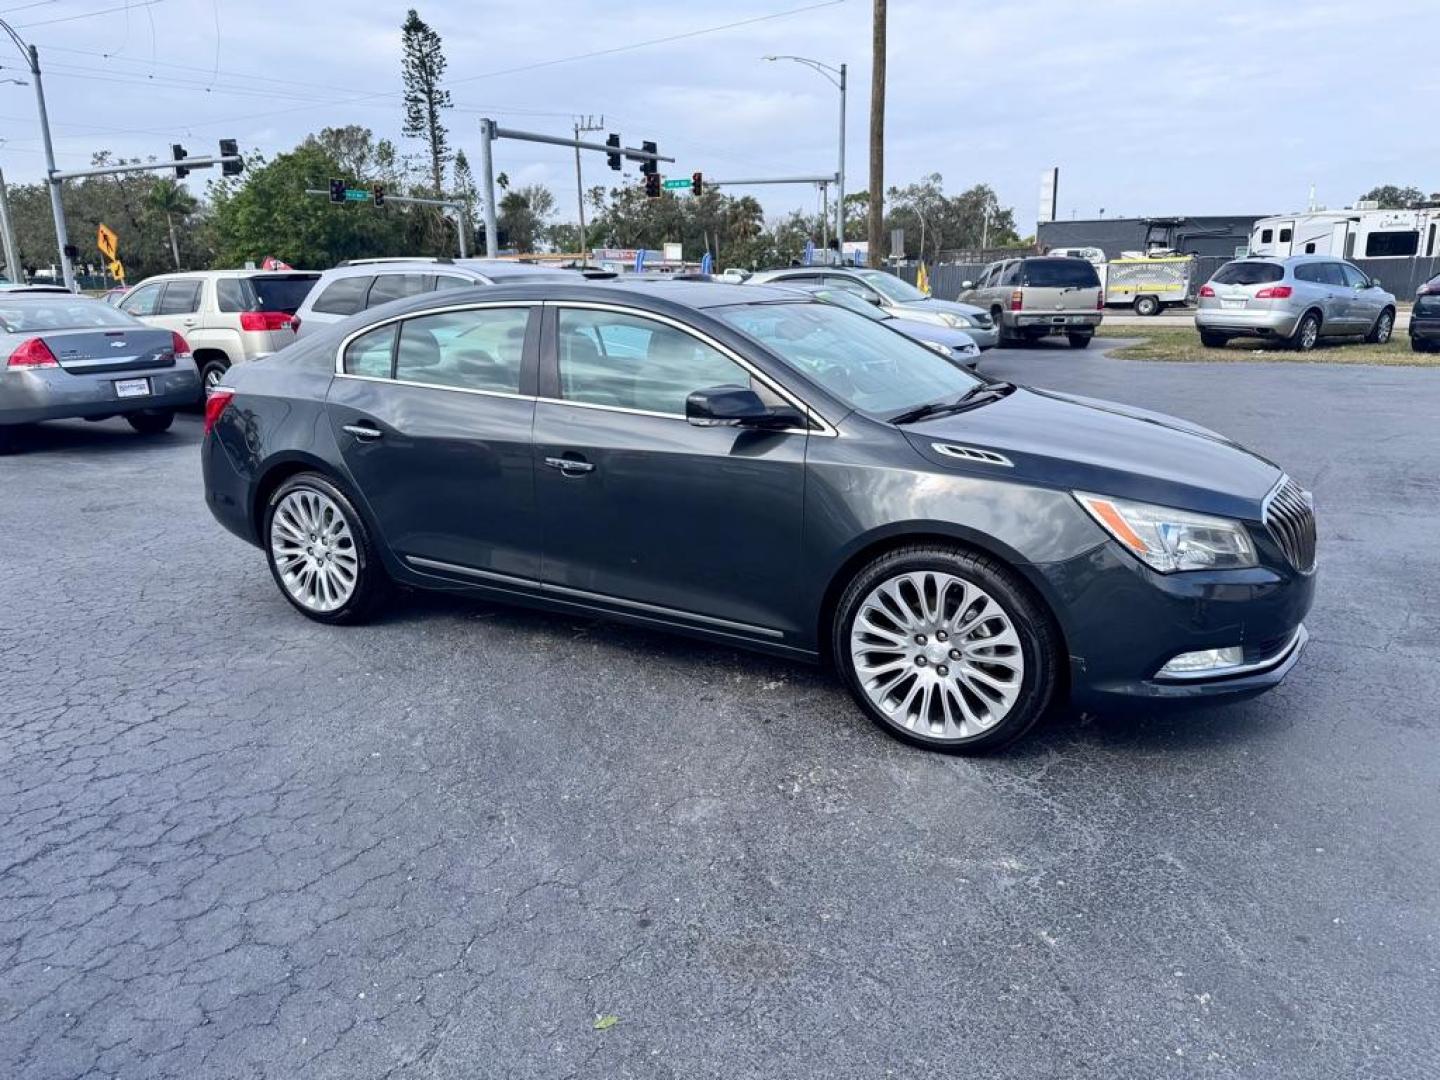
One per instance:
(826, 429)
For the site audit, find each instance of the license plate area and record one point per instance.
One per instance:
(1227, 303)
(132, 388)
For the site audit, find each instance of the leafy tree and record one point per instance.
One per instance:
(422, 66)
(1391, 197)
(167, 197)
(358, 154)
(522, 215)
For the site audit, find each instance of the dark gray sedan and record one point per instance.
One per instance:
(68, 356)
(757, 468)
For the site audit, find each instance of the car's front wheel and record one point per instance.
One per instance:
(1383, 328)
(151, 421)
(320, 552)
(945, 648)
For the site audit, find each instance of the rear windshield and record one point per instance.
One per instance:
(1428, 306)
(1060, 274)
(60, 312)
(1248, 273)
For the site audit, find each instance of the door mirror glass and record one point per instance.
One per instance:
(967, 284)
(720, 405)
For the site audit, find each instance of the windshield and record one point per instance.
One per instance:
(850, 302)
(1060, 274)
(865, 364)
(59, 311)
(892, 286)
(1248, 273)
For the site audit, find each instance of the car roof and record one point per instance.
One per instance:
(15, 289)
(229, 273)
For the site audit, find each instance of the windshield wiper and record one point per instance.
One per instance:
(977, 395)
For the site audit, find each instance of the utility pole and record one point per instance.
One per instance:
(13, 270)
(588, 125)
(838, 78)
(877, 137)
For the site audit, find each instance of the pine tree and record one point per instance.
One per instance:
(465, 189)
(422, 66)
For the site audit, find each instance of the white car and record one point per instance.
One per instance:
(228, 316)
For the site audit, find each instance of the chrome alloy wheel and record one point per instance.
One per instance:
(314, 550)
(1309, 333)
(213, 376)
(1384, 327)
(937, 655)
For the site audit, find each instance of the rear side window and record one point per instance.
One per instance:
(1059, 274)
(1248, 273)
(180, 298)
(371, 354)
(389, 287)
(344, 296)
(449, 281)
(481, 349)
(231, 295)
(1380, 245)
(1308, 272)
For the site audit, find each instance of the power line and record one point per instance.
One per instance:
(89, 14)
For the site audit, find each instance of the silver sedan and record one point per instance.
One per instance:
(64, 356)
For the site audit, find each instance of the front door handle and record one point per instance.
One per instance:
(570, 466)
(363, 431)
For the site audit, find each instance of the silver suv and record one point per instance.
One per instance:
(1032, 297)
(228, 316)
(1298, 300)
(361, 284)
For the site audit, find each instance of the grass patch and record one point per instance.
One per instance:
(1183, 346)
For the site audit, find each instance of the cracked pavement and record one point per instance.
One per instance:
(234, 843)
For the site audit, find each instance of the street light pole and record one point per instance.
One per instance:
(837, 77)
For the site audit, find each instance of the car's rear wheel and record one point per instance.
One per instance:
(320, 552)
(1147, 305)
(151, 421)
(212, 374)
(10, 438)
(946, 649)
(1079, 341)
(1383, 328)
(1307, 333)
(1416, 345)
(1212, 340)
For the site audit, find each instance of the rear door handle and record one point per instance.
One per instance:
(570, 466)
(363, 431)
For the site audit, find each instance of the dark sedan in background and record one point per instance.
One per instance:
(954, 345)
(754, 467)
(71, 357)
(1425, 318)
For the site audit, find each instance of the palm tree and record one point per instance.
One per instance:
(169, 198)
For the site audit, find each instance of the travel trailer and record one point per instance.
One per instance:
(1361, 233)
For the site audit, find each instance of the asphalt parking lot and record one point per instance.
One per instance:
(234, 843)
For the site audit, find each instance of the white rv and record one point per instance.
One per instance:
(1362, 233)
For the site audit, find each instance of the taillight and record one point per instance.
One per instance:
(180, 346)
(1100, 300)
(265, 320)
(33, 353)
(295, 323)
(215, 406)
(1274, 292)
(1206, 290)
(1017, 300)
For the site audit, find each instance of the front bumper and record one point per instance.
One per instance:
(987, 337)
(1253, 323)
(28, 396)
(1123, 622)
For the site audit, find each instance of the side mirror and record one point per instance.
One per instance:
(717, 406)
(967, 285)
(1374, 283)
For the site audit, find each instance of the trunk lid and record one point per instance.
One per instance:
(100, 351)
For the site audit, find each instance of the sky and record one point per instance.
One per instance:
(1146, 107)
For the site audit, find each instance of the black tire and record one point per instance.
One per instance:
(1079, 341)
(373, 586)
(212, 372)
(1416, 345)
(1211, 340)
(1307, 333)
(1039, 641)
(151, 421)
(1383, 328)
(10, 436)
(1147, 306)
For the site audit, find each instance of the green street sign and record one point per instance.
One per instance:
(357, 194)
(677, 184)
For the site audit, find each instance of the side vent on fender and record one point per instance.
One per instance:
(970, 453)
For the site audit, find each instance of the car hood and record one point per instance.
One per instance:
(924, 331)
(954, 307)
(1110, 449)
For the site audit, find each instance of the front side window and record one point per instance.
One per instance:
(180, 298)
(864, 364)
(630, 362)
(143, 301)
(480, 349)
(1331, 274)
(1383, 245)
(371, 354)
(1354, 277)
(344, 296)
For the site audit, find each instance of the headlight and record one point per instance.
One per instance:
(941, 349)
(1169, 540)
(958, 322)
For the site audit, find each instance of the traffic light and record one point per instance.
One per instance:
(177, 153)
(230, 148)
(614, 157)
(337, 190)
(697, 183)
(652, 185)
(377, 192)
(649, 166)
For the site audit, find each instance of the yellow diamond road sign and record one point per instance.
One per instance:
(107, 241)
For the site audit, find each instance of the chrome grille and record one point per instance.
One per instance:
(1291, 521)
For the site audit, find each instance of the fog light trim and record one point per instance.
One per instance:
(1204, 663)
